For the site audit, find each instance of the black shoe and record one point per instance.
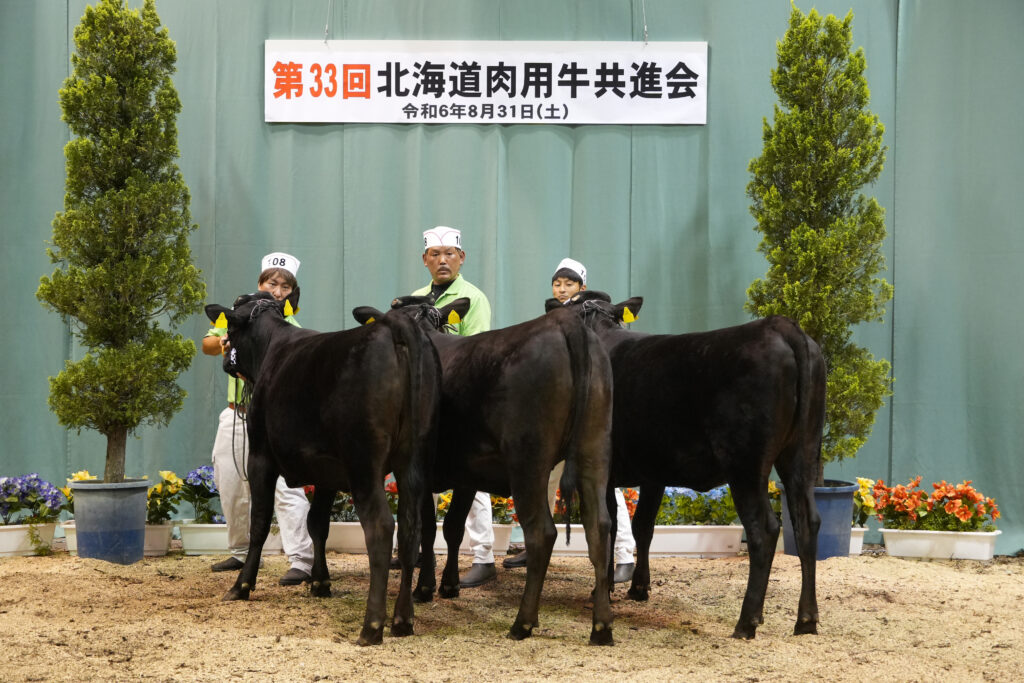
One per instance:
(477, 575)
(397, 564)
(514, 561)
(294, 577)
(229, 565)
(623, 572)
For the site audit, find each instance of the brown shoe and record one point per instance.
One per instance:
(231, 564)
(513, 561)
(294, 577)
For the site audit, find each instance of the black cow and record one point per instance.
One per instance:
(708, 408)
(514, 402)
(339, 411)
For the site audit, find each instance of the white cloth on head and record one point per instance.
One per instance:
(442, 236)
(279, 259)
(574, 266)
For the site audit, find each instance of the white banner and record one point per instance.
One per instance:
(420, 81)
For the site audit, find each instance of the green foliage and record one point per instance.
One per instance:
(685, 506)
(121, 242)
(821, 237)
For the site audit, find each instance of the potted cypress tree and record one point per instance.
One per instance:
(822, 237)
(124, 265)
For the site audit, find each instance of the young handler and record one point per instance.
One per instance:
(571, 277)
(231, 448)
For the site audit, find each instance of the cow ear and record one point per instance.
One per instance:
(552, 304)
(629, 310)
(214, 313)
(454, 312)
(365, 315)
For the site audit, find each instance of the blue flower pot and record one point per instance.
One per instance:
(835, 507)
(110, 520)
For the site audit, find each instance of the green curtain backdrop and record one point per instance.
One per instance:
(656, 211)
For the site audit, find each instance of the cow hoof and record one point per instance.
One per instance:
(805, 628)
(448, 591)
(601, 634)
(520, 631)
(320, 589)
(236, 593)
(744, 631)
(423, 594)
(638, 594)
(400, 629)
(370, 636)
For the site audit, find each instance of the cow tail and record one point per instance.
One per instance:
(809, 419)
(406, 334)
(578, 344)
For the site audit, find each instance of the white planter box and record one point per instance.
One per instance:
(348, 537)
(70, 537)
(696, 541)
(857, 540)
(668, 541)
(962, 545)
(158, 539)
(212, 539)
(502, 538)
(15, 541)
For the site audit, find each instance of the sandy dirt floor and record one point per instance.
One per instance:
(63, 618)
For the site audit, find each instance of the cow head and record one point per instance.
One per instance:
(421, 309)
(248, 343)
(598, 310)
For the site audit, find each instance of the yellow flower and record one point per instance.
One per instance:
(82, 475)
(773, 490)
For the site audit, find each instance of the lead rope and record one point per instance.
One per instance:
(240, 406)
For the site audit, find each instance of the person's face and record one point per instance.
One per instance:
(276, 285)
(443, 263)
(562, 288)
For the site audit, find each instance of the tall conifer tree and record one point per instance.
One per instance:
(821, 236)
(121, 242)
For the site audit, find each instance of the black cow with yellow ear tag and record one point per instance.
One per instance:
(337, 411)
(515, 402)
(721, 407)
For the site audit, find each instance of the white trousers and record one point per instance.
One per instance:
(624, 543)
(290, 504)
(480, 529)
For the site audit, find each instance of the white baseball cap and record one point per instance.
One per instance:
(442, 236)
(279, 259)
(572, 265)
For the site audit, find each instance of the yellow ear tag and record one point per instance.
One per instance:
(453, 318)
(288, 308)
(370, 320)
(627, 315)
(222, 322)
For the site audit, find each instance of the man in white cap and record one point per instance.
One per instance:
(570, 278)
(443, 257)
(231, 447)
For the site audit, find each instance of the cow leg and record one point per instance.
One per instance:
(647, 506)
(597, 526)
(539, 536)
(454, 528)
(262, 478)
(613, 511)
(803, 513)
(427, 583)
(409, 535)
(318, 522)
(378, 529)
(762, 528)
